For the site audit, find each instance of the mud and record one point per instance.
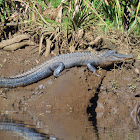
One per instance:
(77, 105)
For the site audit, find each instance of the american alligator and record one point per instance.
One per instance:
(58, 63)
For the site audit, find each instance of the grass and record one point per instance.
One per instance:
(107, 15)
(64, 21)
(133, 87)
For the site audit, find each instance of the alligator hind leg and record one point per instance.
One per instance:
(92, 69)
(57, 68)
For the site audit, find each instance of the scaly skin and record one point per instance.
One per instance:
(57, 64)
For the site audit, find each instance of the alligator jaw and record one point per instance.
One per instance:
(116, 57)
(112, 56)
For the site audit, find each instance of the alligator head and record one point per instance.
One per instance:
(109, 57)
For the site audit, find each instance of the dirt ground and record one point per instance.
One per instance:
(77, 105)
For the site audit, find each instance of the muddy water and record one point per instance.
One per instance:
(73, 126)
(19, 131)
(76, 106)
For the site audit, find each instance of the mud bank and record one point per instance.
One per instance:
(76, 105)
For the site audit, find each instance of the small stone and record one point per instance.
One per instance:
(136, 71)
(41, 86)
(138, 57)
(36, 61)
(4, 60)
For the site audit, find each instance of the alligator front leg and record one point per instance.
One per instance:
(92, 69)
(57, 68)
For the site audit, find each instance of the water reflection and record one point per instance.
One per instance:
(21, 131)
(70, 126)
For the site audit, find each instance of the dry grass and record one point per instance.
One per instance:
(68, 28)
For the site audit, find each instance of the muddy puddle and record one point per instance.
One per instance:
(62, 126)
(75, 106)
(20, 130)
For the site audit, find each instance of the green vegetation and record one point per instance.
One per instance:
(114, 85)
(116, 14)
(133, 87)
(58, 20)
(55, 3)
(138, 80)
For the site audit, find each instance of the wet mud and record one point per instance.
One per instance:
(77, 105)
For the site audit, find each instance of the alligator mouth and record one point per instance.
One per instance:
(115, 56)
(118, 56)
